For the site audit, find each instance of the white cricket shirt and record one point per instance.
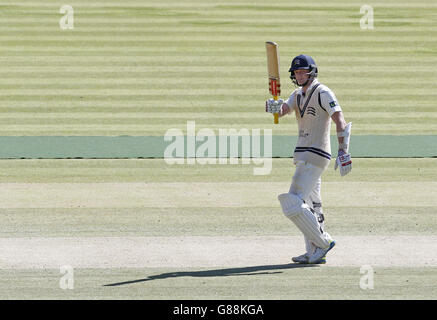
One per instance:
(313, 113)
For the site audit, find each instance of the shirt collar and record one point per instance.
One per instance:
(315, 81)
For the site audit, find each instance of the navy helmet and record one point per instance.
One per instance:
(306, 62)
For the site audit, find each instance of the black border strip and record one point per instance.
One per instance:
(314, 150)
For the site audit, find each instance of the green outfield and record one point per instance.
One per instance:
(265, 282)
(130, 229)
(142, 67)
(144, 229)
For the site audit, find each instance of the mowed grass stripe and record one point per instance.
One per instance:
(351, 15)
(194, 113)
(108, 92)
(159, 128)
(151, 30)
(225, 77)
(98, 130)
(339, 10)
(68, 124)
(153, 52)
(359, 45)
(199, 82)
(188, 69)
(209, 251)
(132, 4)
(26, 116)
(191, 112)
(262, 282)
(162, 222)
(195, 42)
(207, 60)
(389, 52)
(143, 33)
(157, 170)
(337, 25)
(17, 86)
(208, 194)
(212, 122)
(138, 6)
(196, 95)
(128, 38)
(76, 104)
(384, 25)
(241, 47)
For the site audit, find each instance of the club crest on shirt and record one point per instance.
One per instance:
(332, 104)
(311, 111)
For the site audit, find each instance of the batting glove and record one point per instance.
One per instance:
(344, 162)
(274, 106)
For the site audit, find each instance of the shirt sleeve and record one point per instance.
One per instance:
(291, 101)
(329, 101)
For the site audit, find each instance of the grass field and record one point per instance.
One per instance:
(142, 229)
(130, 229)
(141, 67)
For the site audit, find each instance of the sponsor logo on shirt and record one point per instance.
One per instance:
(332, 104)
(303, 134)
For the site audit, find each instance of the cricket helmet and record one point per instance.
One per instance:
(306, 62)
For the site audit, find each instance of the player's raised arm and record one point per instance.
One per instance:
(285, 109)
(278, 107)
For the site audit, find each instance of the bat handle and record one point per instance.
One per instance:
(275, 115)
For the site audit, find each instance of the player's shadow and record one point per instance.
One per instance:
(244, 271)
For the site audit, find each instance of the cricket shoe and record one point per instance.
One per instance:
(303, 259)
(321, 261)
(319, 254)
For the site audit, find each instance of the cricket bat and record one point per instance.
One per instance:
(273, 71)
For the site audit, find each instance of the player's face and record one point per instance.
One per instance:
(301, 75)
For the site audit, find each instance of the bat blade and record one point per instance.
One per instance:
(272, 60)
(273, 72)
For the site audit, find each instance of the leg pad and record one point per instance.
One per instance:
(300, 213)
(291, 204)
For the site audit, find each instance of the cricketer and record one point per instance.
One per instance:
(314, 105)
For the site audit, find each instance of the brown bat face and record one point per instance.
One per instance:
(273, 72)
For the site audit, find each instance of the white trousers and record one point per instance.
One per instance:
(307, 183)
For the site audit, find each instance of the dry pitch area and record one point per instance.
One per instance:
(220, 238)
